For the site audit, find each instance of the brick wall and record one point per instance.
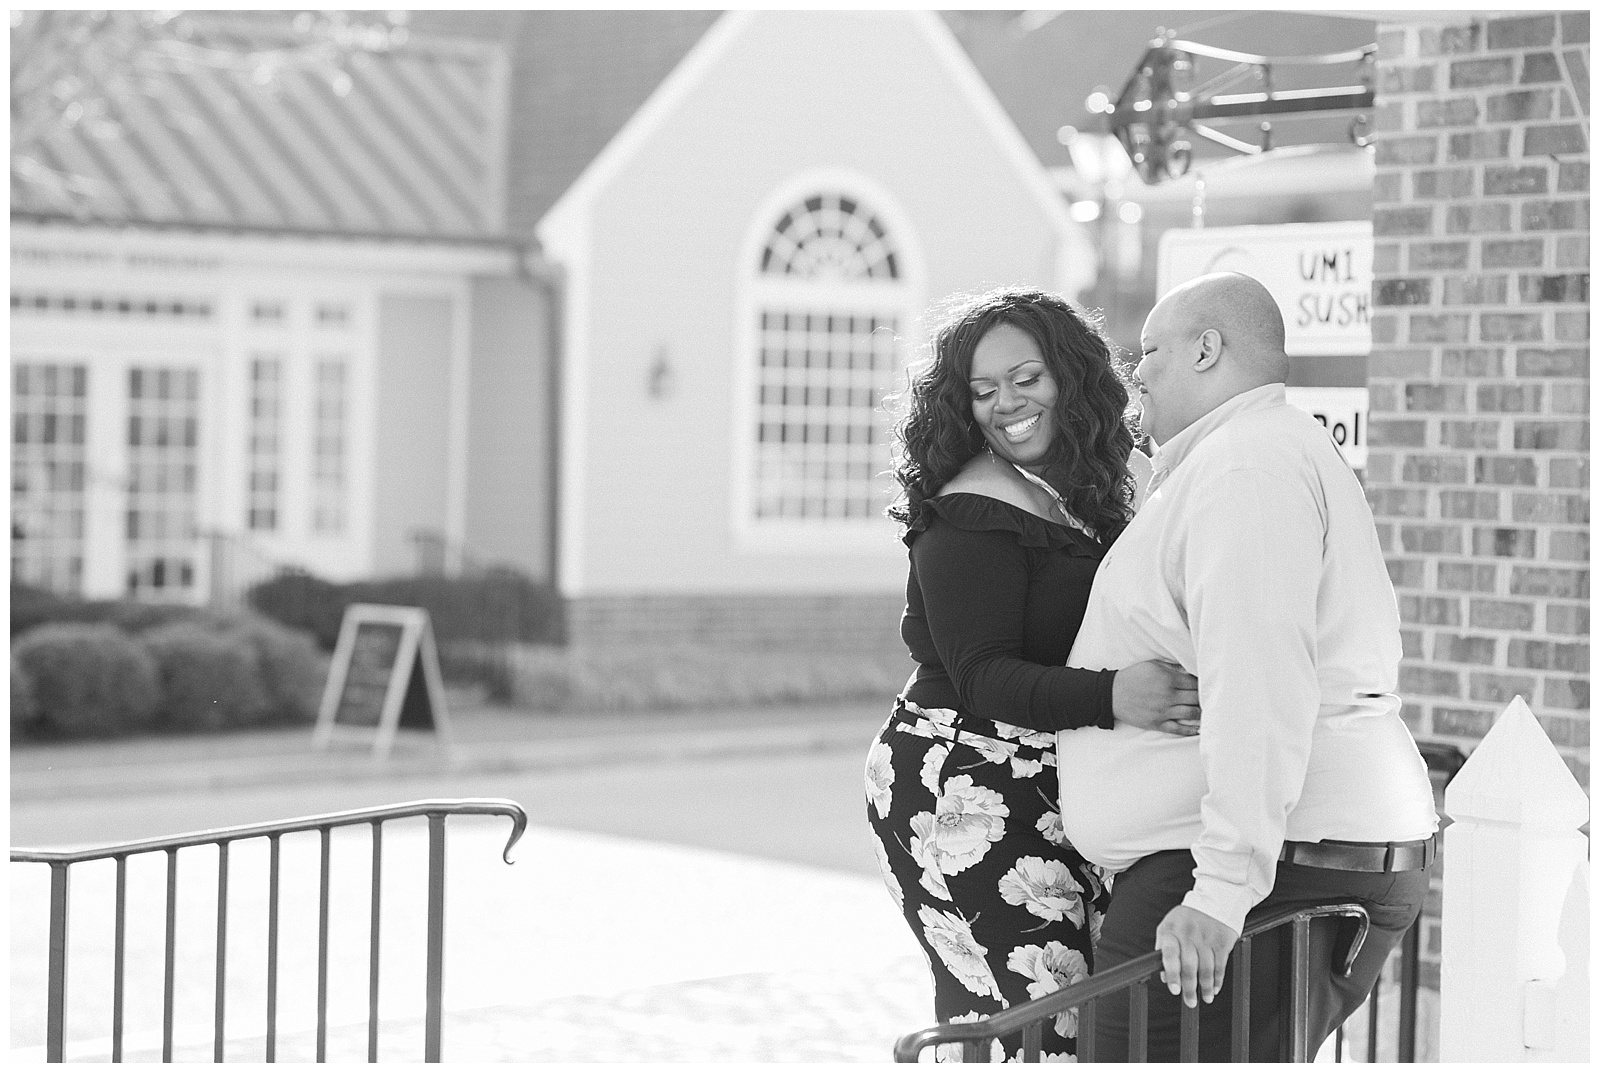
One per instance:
(1478, 456)
(846, 622)
(1478, 466)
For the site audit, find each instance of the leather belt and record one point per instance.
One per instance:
(1361, 856)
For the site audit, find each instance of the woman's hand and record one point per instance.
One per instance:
(1156, 695)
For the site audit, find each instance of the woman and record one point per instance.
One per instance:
(1015, 475)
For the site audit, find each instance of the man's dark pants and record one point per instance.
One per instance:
(1146, 892)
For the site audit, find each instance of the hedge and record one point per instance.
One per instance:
(293, 669)
(492, 607)
(209, 680)
(24, 708)
(209, 669)
(89, 680)
(31, 607)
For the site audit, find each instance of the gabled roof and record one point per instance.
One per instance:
(403, 142)
(578, 77)
(484, 119)
(946, 57)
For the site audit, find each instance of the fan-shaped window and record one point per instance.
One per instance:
(829, 236)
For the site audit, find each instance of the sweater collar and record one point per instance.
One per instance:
(1169, 455)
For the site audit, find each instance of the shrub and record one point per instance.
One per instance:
(495, 606)
(302, 601)
(24, 709)
(210, 680)
(89, 680)
(485, 663)
(498, 605)
(636, 678)
(293, 669)
(32, 607)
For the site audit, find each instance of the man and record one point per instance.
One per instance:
(1255, 565)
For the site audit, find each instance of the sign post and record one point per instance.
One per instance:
(384, 677)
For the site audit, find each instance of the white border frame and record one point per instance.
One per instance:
(416, 642)
(753, 291)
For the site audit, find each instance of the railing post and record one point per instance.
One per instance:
(1410, 963)
(1511, 856)
(61, 861)
(434, 1012)
(56, 999)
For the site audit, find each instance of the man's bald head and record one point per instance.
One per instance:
(1206, 341)
(1242, 311)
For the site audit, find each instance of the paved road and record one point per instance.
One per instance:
(804, 808)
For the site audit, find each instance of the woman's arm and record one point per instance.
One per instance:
(974, 588)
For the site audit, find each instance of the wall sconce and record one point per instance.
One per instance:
(661, 379)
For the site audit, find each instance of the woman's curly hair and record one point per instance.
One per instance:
(1088, 461)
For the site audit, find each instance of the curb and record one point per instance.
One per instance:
(409, 761)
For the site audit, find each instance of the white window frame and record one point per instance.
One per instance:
(75, 499)
(261, 459)
(300, 340)
(902, 298)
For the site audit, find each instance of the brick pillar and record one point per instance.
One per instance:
(1478, 466)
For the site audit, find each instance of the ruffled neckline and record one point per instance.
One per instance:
(976, 512)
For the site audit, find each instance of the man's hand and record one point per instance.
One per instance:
(1157, 695)
(1194, 953)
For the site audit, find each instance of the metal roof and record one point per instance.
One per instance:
(406, 141)
(476, 125)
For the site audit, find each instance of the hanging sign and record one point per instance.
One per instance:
(1320, 274)
(384, 678)
(1343, 412)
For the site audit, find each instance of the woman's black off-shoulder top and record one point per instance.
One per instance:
(993, 603)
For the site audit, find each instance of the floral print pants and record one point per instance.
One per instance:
(969, 839)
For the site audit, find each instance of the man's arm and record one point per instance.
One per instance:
(1251, 569)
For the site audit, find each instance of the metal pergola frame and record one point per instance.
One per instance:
(1153, 116)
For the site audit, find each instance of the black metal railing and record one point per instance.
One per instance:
(1133, 977)
(436, 811)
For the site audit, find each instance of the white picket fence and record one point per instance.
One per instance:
(1514, 962)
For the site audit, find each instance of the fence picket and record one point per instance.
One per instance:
(61, 861)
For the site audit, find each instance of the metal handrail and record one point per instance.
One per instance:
(60, 861)
(1029, 1018)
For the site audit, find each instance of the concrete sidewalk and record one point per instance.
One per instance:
(486, 739)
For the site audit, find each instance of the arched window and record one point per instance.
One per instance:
(829, 236)
(831, 301)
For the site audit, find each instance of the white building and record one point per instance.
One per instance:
(286, 324)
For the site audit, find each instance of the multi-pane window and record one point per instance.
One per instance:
(830, 299)
(48, 411)
(265, 447)
(820, 439)
(329, 443)
(100, 306)
(163, 477)
(268, 313)
(333, 315)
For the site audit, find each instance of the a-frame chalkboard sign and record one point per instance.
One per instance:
(384, 678)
